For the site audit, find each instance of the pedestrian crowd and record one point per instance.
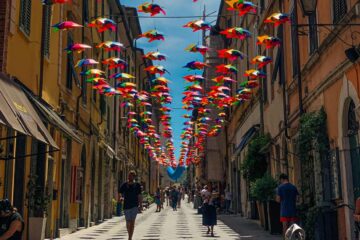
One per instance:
(207, 199)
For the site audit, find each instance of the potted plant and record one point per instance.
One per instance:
(263, 190)
(255, 166)
(37, 203)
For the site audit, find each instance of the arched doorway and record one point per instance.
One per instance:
(352, 129)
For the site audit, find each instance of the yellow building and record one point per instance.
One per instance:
(76, 148)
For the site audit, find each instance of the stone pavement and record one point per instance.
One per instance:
(248, 229)
(169, 225)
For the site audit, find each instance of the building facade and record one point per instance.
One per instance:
(313, 73)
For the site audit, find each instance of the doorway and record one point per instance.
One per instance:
(352, 132)
(20, 173)
(81, 174)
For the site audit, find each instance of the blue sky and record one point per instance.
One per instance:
(177, 39)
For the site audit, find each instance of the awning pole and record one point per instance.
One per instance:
(29, 155)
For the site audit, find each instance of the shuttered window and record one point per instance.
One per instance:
(70, 70)
(47, 26)
(339, 9)
(102, 105)
(262, 6)
(85, 11)
(294, 43)
(25, 16)
(96, 8)
(313, 35)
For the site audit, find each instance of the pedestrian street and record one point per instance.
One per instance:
(168, 224)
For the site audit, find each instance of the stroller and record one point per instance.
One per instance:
(295, 232)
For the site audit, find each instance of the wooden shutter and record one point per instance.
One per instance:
(47, 25)
(339, 9)
(313, 34)
(294, 42)
(69, 64)
(25, 16)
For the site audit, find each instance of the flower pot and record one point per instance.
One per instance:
(273, 212)
(37, 227)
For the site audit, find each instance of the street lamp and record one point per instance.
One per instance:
(308, 6)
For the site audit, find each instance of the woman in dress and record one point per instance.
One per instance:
(158, 200)
(209, 210)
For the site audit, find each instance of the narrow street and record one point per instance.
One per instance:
(170, 225)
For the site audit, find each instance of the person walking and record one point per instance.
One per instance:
(209, 218)
(131, 193)
(11, 222)
(228, 198)
(174, 198)
(158, 200)
(287, 195)
(162, 198)
(167, 195)
(179, 197)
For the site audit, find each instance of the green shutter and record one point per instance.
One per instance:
(25, 16)
(47, 25)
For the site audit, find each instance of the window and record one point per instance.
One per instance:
(70, 70)
(85, 11)
(228, 41)
(84, 88)
(69, 65)
(294, 42)
(339, 10)
(313, 35)
(47, 25)
(110, 13)
(102, 105)
(25, 16)
(96, 8)
(262, 6)
(264, 81)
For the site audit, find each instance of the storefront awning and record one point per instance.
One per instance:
(17, 112)
(245, 140)
(52, 117)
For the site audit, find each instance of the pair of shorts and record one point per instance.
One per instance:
(289, 219)
(130, 214)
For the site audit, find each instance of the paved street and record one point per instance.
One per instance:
(183, 224)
